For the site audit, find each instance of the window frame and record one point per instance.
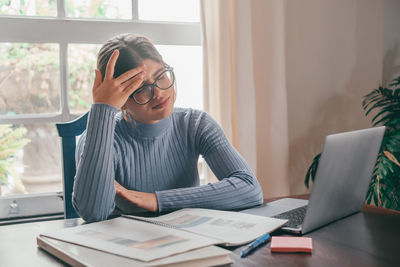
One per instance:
(63, 30)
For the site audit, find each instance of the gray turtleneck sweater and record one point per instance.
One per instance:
(159, 158)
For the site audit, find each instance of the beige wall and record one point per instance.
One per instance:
(302, 69)
(330, 54)
(391, 40)
(333, 58)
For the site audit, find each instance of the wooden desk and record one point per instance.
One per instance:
(369, 238)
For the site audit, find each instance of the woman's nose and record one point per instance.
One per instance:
(158, 92)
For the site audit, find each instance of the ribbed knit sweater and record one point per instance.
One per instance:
(159, 158)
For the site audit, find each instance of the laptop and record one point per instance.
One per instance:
(341, 183)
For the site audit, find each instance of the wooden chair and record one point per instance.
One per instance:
(68, 132)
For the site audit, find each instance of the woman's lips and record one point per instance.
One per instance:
(162, 104)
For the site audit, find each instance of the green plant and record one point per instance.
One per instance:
(81, 65)
(11, 141)
(384, 188)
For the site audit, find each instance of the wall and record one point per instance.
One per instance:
(391, 40)
(309, 65)
(333, 58)
(302, 69)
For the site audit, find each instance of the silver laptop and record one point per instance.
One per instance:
(341, 183)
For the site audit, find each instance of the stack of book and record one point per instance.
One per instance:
(183, 237)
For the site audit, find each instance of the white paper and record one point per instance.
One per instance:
(230, 228)
(132, 238)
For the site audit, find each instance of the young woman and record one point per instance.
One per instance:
(139, 153)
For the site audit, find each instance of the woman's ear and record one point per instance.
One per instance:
(124, 113)
(175, 93)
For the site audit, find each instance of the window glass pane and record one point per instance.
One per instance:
(188, 67)
(169, 10)
(29, 8)
(82, 60)
(34, 167)
(110, 9)
(29, 78)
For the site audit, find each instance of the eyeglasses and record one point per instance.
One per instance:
(164, 81)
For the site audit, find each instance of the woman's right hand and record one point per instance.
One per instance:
(115, 91)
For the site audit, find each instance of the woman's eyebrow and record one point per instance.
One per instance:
(157, 73)
(154, 76)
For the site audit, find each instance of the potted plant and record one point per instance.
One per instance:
(384, 188)
(11, 141)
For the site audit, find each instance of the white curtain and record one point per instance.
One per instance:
(245, 83)
(219, 61)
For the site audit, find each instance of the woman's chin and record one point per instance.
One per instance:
(162, 113)
(152, 115)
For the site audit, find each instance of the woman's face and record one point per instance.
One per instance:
(162, 103)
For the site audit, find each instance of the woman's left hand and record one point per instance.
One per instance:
(147, 201)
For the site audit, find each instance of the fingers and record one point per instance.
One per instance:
(129, 74)
(134, 84)
(118, 188)
(97, 79)
(109, 75)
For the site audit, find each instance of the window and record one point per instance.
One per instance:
(47, 66)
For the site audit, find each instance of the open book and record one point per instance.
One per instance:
(147, 239)
(76, 255)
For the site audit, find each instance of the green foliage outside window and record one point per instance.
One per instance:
(29, 7)
(29, 80)
(81, 64)
(95, 9)
(11, 141)
(33, 68)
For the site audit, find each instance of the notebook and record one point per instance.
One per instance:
(341, 183)
(147, 239)
(76, 255)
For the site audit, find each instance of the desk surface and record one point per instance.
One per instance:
(369, 238)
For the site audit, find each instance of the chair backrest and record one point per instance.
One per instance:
(68, 132)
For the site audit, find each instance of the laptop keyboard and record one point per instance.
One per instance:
(295, 217)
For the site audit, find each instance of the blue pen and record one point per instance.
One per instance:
(255, 244)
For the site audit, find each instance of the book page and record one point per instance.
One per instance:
(231, 228)
(133, 239)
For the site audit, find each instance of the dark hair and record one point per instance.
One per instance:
(133, 49)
